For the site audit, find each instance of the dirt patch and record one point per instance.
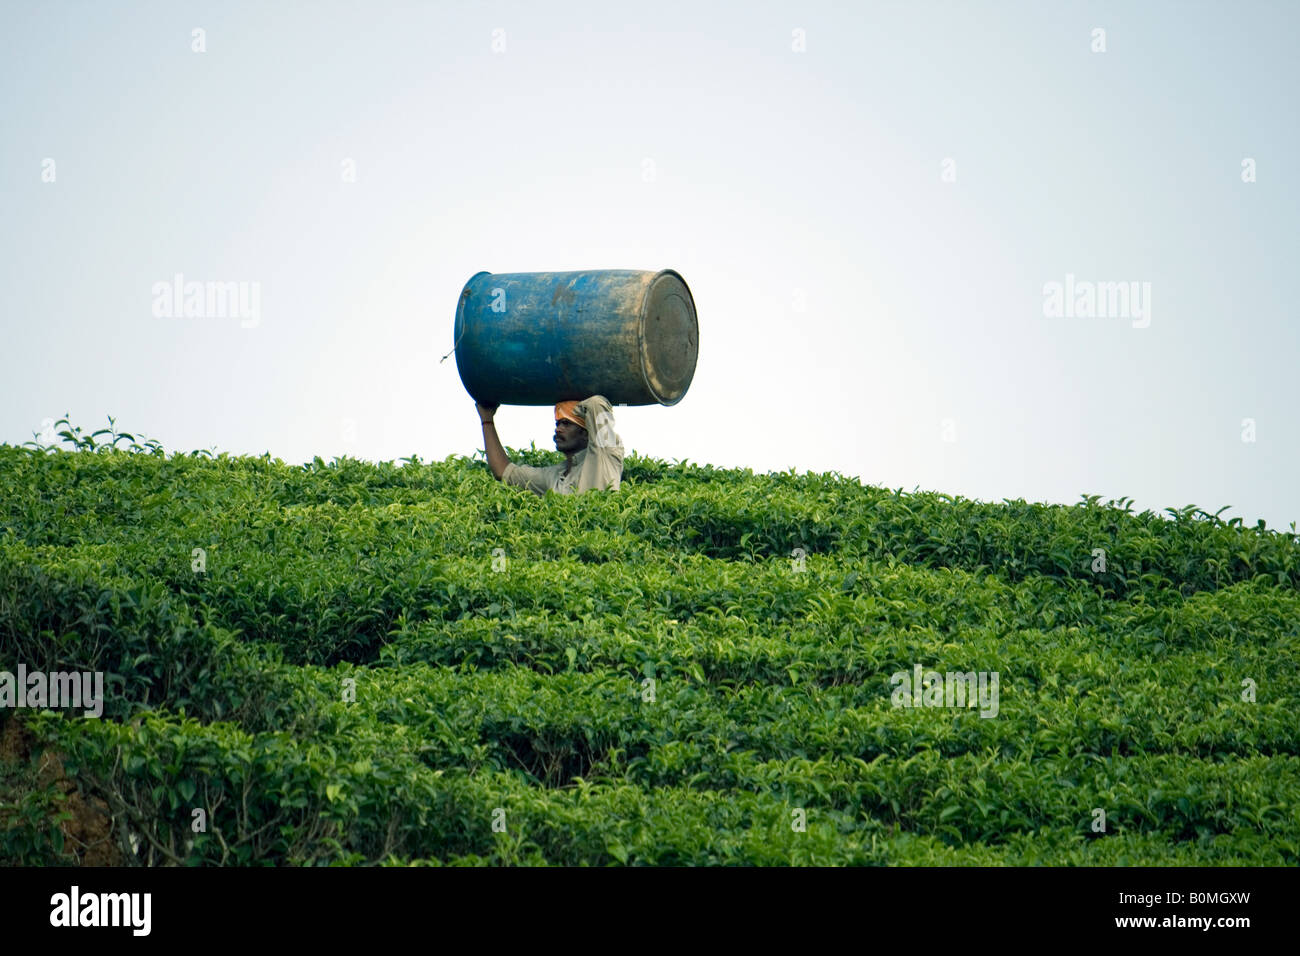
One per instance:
(88, 834)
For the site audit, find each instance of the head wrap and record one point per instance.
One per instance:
(600, 464)
(569, 410)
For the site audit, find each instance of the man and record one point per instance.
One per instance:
(591, 461)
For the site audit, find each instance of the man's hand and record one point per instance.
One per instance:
(485, 412)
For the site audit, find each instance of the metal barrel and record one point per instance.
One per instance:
(537, 338)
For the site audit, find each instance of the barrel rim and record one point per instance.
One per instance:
(460, 311)
(458, 328)
(640, 336)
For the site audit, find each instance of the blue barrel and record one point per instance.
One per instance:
(537, 338)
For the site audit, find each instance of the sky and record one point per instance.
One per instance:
(879, 208)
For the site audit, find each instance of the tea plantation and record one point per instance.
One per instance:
(353, 663)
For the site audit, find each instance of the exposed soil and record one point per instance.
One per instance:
(88, 833)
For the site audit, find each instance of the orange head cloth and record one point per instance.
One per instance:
(569, 410)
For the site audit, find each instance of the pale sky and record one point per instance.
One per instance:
(866, 199)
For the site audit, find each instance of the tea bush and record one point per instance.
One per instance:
(351, 663)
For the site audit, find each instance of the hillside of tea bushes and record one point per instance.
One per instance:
(412, 663)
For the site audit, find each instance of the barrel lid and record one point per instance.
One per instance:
(669, 337)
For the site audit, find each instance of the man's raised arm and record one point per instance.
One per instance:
(496, 455)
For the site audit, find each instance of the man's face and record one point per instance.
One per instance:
(569, 437)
